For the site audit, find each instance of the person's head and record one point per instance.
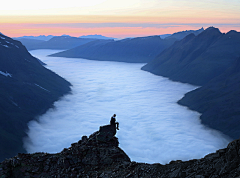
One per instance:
(114, 115)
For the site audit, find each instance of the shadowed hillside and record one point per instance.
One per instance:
(197, 59)
(142, 50)
(27, 89)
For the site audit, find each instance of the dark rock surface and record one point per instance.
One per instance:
(27, 90)
(91, 157)
(135, 50)
(218, 101)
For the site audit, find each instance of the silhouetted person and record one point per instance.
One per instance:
(113, 121)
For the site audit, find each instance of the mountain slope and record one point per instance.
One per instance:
(197, 59)
(142, 50)
(218, 101)
(27, 89)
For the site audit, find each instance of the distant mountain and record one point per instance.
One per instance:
(218, 101)
(27, 89)
(57, 42)
(197, 59)
(41, 37)
(97, 37)
(165, 35)
(183, 34)
(141, 49)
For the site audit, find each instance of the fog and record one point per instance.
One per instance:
(153, 127)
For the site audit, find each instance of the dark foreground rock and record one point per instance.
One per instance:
(91, 157)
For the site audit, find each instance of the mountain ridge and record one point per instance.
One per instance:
(95, 157)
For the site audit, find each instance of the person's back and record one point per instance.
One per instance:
(113, 121)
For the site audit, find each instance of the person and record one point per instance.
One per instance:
(113, 121)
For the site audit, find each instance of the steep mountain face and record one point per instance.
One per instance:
(197, 59)
(210, 59)
(183, 34)
(57, 42)
(91, 157)
(218, 101)
(142, 50)
(27, 89)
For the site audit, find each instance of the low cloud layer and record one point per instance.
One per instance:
(153, 128)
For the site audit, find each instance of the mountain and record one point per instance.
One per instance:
(97, 37)
(210, 60)
(27, 90)
(95, 157)
(218, 101)
(197, 59)
(41, 37)
(57, 42)
(183, 34)
(141, 50)
(165, 35)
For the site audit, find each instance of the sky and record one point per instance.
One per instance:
(115, 18)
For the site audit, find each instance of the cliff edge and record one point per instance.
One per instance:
(99, 155)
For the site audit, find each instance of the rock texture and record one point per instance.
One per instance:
(91, 157)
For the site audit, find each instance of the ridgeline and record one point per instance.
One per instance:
(99, 155)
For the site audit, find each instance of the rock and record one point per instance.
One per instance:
(106, 133)
(91, 157)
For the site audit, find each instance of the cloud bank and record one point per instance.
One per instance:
(153, 128)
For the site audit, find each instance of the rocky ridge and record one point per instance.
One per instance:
(94, 157)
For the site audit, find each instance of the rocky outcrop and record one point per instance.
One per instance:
(91, 157)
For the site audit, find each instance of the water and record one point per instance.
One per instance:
(153, 128)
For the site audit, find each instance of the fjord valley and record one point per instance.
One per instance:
(207, 58)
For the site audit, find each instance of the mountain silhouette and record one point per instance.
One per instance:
(28, 89)
(197, 59)
(141, 50)
(57, 42)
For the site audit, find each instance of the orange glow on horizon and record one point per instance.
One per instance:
(111, 26)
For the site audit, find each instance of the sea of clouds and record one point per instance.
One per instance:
(153, 127)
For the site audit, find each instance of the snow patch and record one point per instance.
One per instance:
(6, 46)
(41, 87)
(17, 46)
(2, 37)
(6, 74)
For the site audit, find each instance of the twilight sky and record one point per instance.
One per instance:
(116, 18)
